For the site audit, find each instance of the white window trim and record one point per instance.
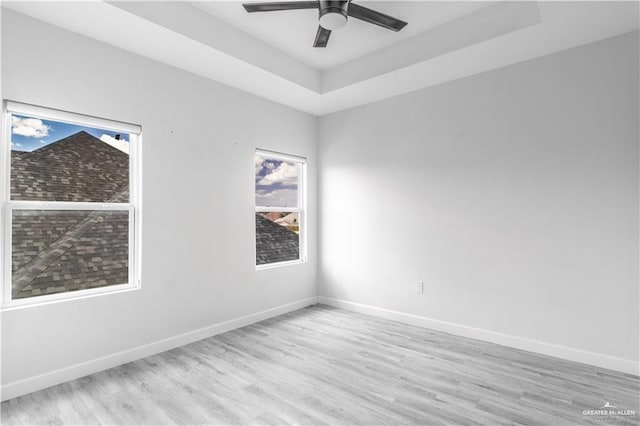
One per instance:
(133, 206)
(301, 208)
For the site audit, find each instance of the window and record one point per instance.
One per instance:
(71, 214)
(280, 215)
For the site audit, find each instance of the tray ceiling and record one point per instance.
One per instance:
(293, 31)
(271, 54)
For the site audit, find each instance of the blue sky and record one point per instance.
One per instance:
(31, 133)
(276, 183)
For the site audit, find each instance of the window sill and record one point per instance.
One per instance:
(68, 296)
(280, 264)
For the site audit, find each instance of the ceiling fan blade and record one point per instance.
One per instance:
(280, 5)
(322, 37)
(377, 18)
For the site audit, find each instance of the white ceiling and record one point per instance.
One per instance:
(293, 31)
(271, 55)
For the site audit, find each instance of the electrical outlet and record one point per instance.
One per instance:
(419, 287)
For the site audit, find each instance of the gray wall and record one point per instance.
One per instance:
(198, 236)
(512, 194)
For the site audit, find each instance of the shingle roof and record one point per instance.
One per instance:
(79, 167)
(57, 250)
(275, 243)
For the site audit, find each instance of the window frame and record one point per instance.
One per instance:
(133, 207)
(301, 207)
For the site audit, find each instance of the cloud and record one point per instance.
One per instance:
(29, 127)
(16, 144)
(284, 174)
(278, 198)
(258, 163)
(261, 163)
(121, 144)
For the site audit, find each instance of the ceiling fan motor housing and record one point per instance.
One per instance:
(333, 14)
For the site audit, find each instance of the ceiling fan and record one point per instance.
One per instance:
(333, 15)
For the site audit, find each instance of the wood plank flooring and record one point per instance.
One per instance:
(322, 365)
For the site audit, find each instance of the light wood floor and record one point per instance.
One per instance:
(322, 365)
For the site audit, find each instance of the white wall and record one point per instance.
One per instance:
(512, 194)
(198, 221)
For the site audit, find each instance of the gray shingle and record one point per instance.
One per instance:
(55, 251)
(79, 167)
(275, 243)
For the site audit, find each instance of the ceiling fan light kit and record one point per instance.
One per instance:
(333, 15)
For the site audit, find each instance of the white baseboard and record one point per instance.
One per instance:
(558, 351)
(32, 384)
